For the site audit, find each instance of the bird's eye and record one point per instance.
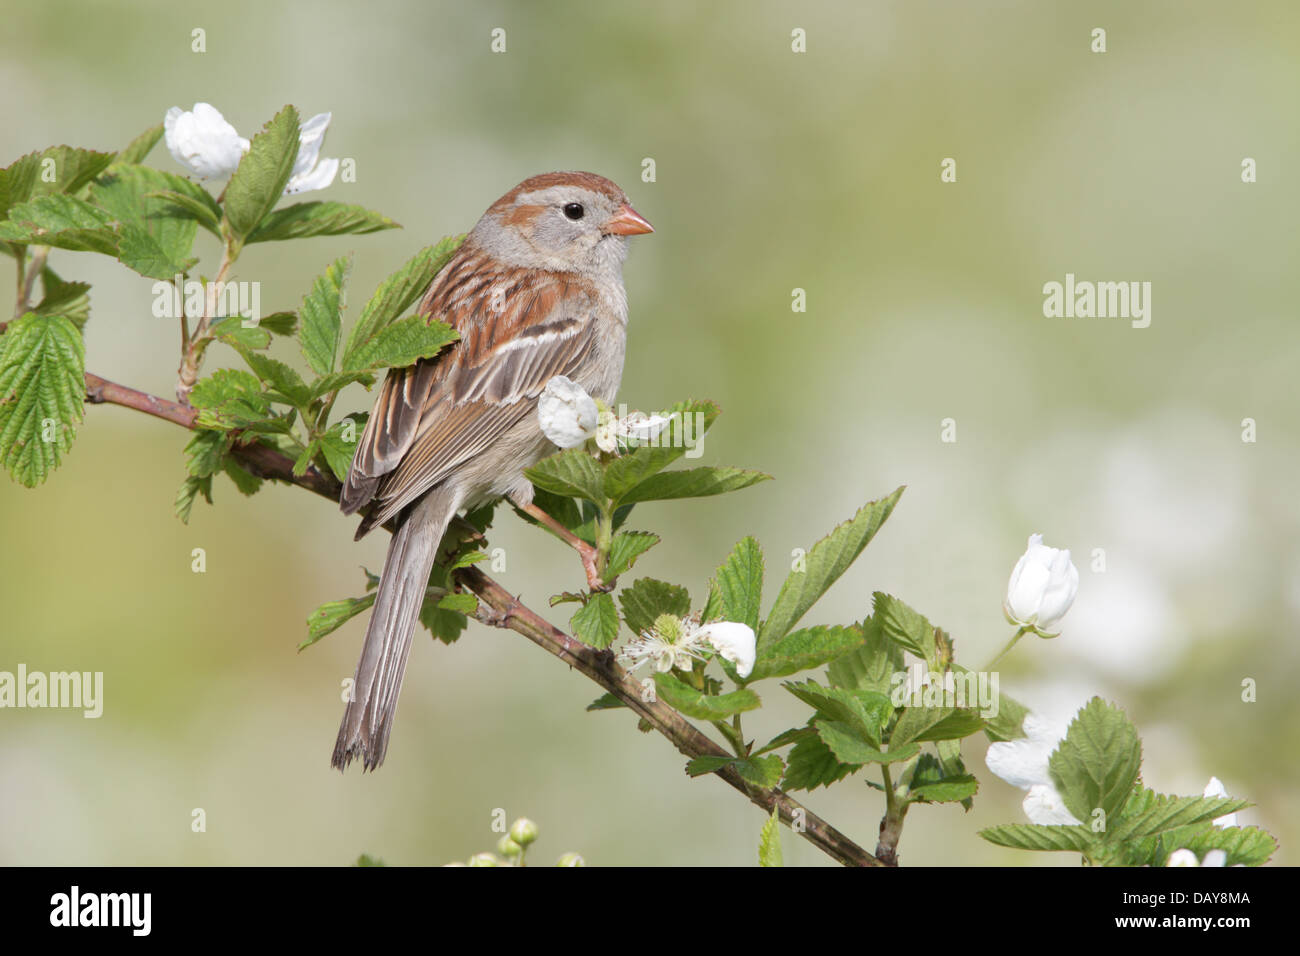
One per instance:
(574, 210)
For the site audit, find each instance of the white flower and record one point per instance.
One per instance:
(612, 429)
(1215, 789)
(309, 171)
(1042, 587)
(1188, 858)
(1023, 763)
(734, 642)
(566, 412)
(203, 141)
(677, 643)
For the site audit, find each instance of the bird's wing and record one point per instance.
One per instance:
(517, 332)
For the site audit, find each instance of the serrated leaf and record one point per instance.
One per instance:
(1247, 846)
(190, 489)
(459, 603)
(692, 483)
(58, 169)
(400, 344)
(446, 626)
(1162, 812)
(739, 585)
(141, 146)
(263, 172)
(905, 627)
(321, 316)
(596, 622)
(398, 292)
(144, 253)
(935, 723)
(204, 452)
(871, 666)
(69, 299)
(626, 547)
(572, 473)
(769, 841)
(156, 236)
(229, 398)
(865, 711)
(811, 764)
(605, 701)
(205, 214)
(63, 222)
(42, 392)
(693, 703)
(233, 332)
(329, 617)
(245, 482)
(1097, 763)
(850, 747)
(1033, 836)
(824, 563)
(805, 649)
(337, 451)
(647, 598)
(279, 323)
(277, 376)
(305, 219)
(764, 772)
(688, 422)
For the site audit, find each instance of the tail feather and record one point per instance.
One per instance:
(368, 719)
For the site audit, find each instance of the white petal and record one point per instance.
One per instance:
(566, 412)
(1023, 762)
(1044, 805)
(1215, 858)
(734, 642)
(318, 178)
(1183, 858)
(1215, 788)
(203, 141)
(311, 135)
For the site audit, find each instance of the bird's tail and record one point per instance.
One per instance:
(368, 719)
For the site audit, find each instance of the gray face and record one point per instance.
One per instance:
(559, 227)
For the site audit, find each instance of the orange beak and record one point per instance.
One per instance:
(628, 222)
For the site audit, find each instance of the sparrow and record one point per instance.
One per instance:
(534, 291)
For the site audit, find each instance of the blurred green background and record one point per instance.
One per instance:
(775, 170)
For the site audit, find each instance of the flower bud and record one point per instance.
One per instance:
(508, 848)
(566, 412)
(523, 831)
(1042, 587)
(571, 859)
(484, 859)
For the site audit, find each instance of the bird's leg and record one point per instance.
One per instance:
(586, 552)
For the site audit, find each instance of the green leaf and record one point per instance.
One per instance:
(306, 219)
(647, 598)
(59, 169)
(337, 380)
(1161, 812)
(1011, 714)
(445, 625)
(850, 747)
(42, 392)
(321, 316)
(69, 299)
(572, 473)
(811, 764)
(277, 376)
(329, 617)
(1033, 836)
(693, 703)
(156, 235)
(1248, 846)
(606, 702)
(692, 483)
(871, 666)
(865, 711)
(337, 450)
(204, 453)
(234, 332)
(904, 626)
(264, 171)
(931, 784)
(739, 584)
(769, 841)
(400, 344)
(141, 146)
(205, 212)
(189, 491)
(245, 482)
(460, 603)
(596, 622)
(687, 420)
(398, 292)
(805, 649)
(626, 547)
(279, 323)
(824, 563)
(762, 772)
(1097, 763)
(229, 398)
(935, 723)
(63, 222)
